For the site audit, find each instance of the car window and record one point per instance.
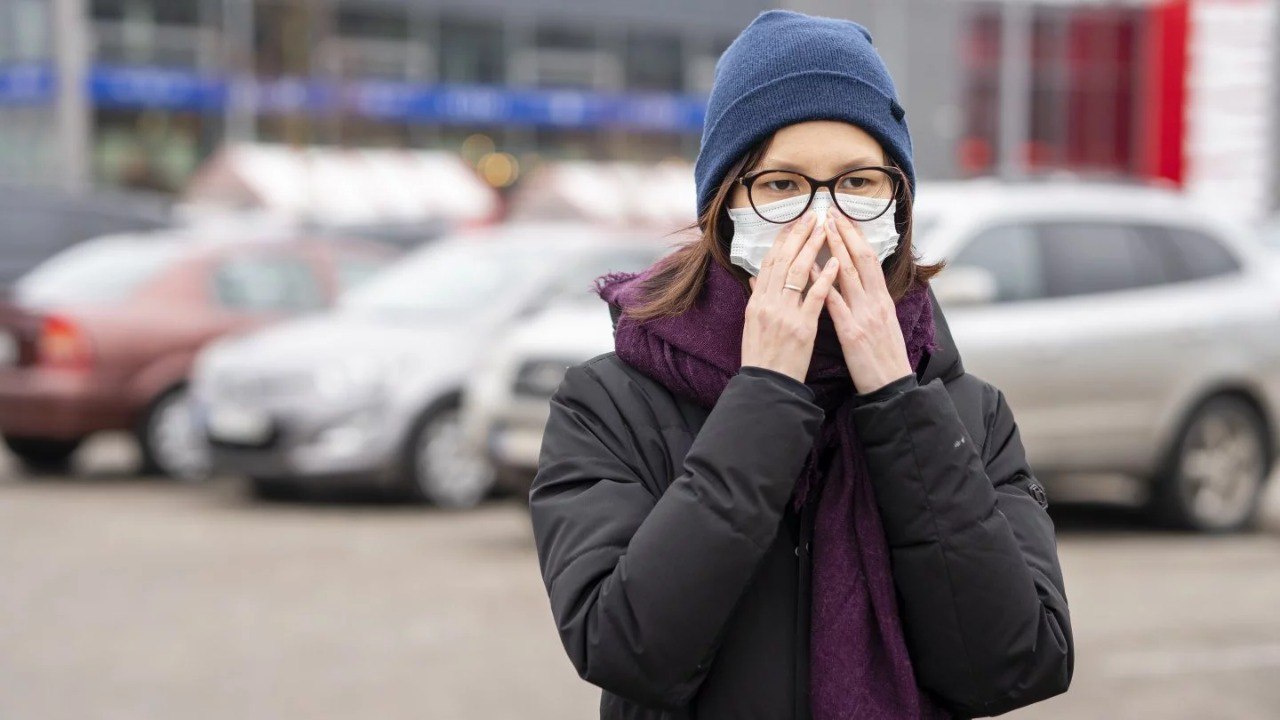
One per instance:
(1012, 256)
(267, 283)
(355, 269)
(451, 278)
(1088, 257)
(1194, 255)
(98, 271)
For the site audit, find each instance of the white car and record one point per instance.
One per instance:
(506, 400)
(1131, 331)
(368, 393)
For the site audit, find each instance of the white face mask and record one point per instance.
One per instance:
(753, 235)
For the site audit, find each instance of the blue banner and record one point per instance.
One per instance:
(148, 87)
(28, 84)
(114, 86)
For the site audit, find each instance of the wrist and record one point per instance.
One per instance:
(887, 390)
(886, 377)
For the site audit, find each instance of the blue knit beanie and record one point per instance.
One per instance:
(788, 67)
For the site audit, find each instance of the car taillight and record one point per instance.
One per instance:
(63, 344)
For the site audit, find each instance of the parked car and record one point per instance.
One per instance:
(368, 394)
(1131, 331)
(37, 223)
(507, 400)
(101, 336)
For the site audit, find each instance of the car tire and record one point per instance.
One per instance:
(439, 469)
(170, 440)
(1214, 474)
(42, 455)
(264, 488)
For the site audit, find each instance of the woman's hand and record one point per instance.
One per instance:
(781, 323)
(862, 310)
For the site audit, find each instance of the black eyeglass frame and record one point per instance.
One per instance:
(896, 176)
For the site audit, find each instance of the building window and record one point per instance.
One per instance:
(978, 147)
(390, 23)
(471, 51)
(654, 62)
(1082, 84)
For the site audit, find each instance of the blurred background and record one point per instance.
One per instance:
(287, 285)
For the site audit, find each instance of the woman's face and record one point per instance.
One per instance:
(817, 148)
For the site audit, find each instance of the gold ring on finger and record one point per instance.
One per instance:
(793, 287)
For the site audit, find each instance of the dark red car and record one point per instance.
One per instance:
(102, 335)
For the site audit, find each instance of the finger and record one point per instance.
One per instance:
(784, 251)
(822, 285)
(864, 256)
(766, 274)
(841, 315)
(752, 282)
(803, 261)
(850, 283)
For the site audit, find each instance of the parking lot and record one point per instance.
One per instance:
(126, 597)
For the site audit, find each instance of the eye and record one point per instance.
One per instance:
(854, 182)
(780, 185)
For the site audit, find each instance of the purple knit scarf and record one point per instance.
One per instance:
(859, 667)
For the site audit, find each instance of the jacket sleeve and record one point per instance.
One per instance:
(642, 583)
(973, 551)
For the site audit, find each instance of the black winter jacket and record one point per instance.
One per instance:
(678, 575)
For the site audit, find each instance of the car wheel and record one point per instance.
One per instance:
(1213, 478)
(442, 469)
(42, 455)
(171, 441)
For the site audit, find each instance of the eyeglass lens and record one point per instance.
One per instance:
(867, 192)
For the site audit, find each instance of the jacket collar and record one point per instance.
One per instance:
(943, 363)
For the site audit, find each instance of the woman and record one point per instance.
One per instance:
(781, 495)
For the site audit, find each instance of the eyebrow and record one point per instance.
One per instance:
(776, 164)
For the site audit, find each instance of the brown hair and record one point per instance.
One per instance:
(678, 277)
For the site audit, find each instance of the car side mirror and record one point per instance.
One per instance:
(964, 285)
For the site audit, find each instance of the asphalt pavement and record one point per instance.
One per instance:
(126, 597)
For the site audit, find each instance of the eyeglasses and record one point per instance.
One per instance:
(862, 194)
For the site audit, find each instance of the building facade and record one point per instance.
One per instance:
(1182, 91)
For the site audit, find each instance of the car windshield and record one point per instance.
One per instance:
(456, 278)
(97, 271)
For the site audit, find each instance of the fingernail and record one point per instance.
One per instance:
(831, 262)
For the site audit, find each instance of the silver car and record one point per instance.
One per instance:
(369, 392)
(1131, 332)
(506, 401)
